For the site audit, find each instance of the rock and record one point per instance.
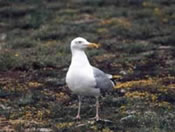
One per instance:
(3, 36)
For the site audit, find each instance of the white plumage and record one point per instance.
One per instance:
(84, 79)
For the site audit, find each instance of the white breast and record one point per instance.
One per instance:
(81, 81)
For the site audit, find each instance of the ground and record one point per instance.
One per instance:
(137, 47)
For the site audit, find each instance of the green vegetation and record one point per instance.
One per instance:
(137, 38)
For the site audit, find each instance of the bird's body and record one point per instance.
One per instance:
(81, 81)
(82, 78)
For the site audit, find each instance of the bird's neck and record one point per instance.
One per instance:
(79, 58)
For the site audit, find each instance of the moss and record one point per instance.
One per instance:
(137, 40)
(141, 83)
(64, 125)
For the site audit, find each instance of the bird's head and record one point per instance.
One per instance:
(81, 44)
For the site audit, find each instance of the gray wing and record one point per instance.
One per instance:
(102, 80)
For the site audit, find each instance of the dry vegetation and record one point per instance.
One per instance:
(137, 38)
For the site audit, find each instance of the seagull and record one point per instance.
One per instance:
(82, 78)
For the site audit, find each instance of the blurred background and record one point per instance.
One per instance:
(137, 38)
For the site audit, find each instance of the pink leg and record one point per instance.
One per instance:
(97, 109)
(79, 107)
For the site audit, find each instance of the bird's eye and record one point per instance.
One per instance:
(79, 42)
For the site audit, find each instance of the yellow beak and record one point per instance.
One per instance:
(93, 45)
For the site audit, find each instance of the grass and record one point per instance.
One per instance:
(137, 40)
